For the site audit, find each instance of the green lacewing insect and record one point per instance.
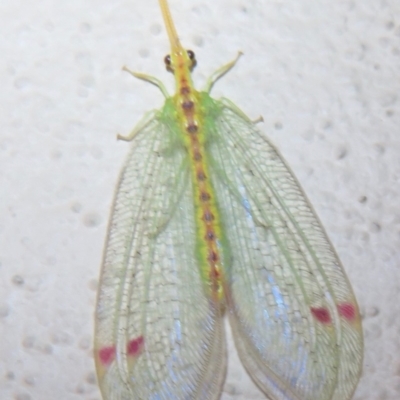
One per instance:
(209, 220)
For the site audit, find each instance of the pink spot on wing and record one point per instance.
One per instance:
(135, 346)
(321, 314)
(347, 310)
(107, 355)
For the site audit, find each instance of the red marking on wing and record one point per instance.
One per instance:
(321, 314)
(107, 355)
(347, 310)
(135, 346)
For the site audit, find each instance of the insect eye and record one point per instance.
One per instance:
(167, 61)
(191, 54)
(192, 58)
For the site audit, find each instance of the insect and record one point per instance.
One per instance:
(209, 220)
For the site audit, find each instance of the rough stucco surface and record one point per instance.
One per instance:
(325, 77)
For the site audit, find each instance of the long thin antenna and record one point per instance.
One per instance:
(169, 24)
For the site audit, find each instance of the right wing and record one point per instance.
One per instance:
(292, 310)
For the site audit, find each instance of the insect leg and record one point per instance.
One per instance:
(148, 78)
(148, 118)
(229, 104)
(220, 72)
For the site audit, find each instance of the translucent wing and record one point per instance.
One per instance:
(157, 335)
(293, 313)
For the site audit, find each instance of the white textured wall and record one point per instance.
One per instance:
(324, 75)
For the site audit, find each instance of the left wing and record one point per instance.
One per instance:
(158, 336)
